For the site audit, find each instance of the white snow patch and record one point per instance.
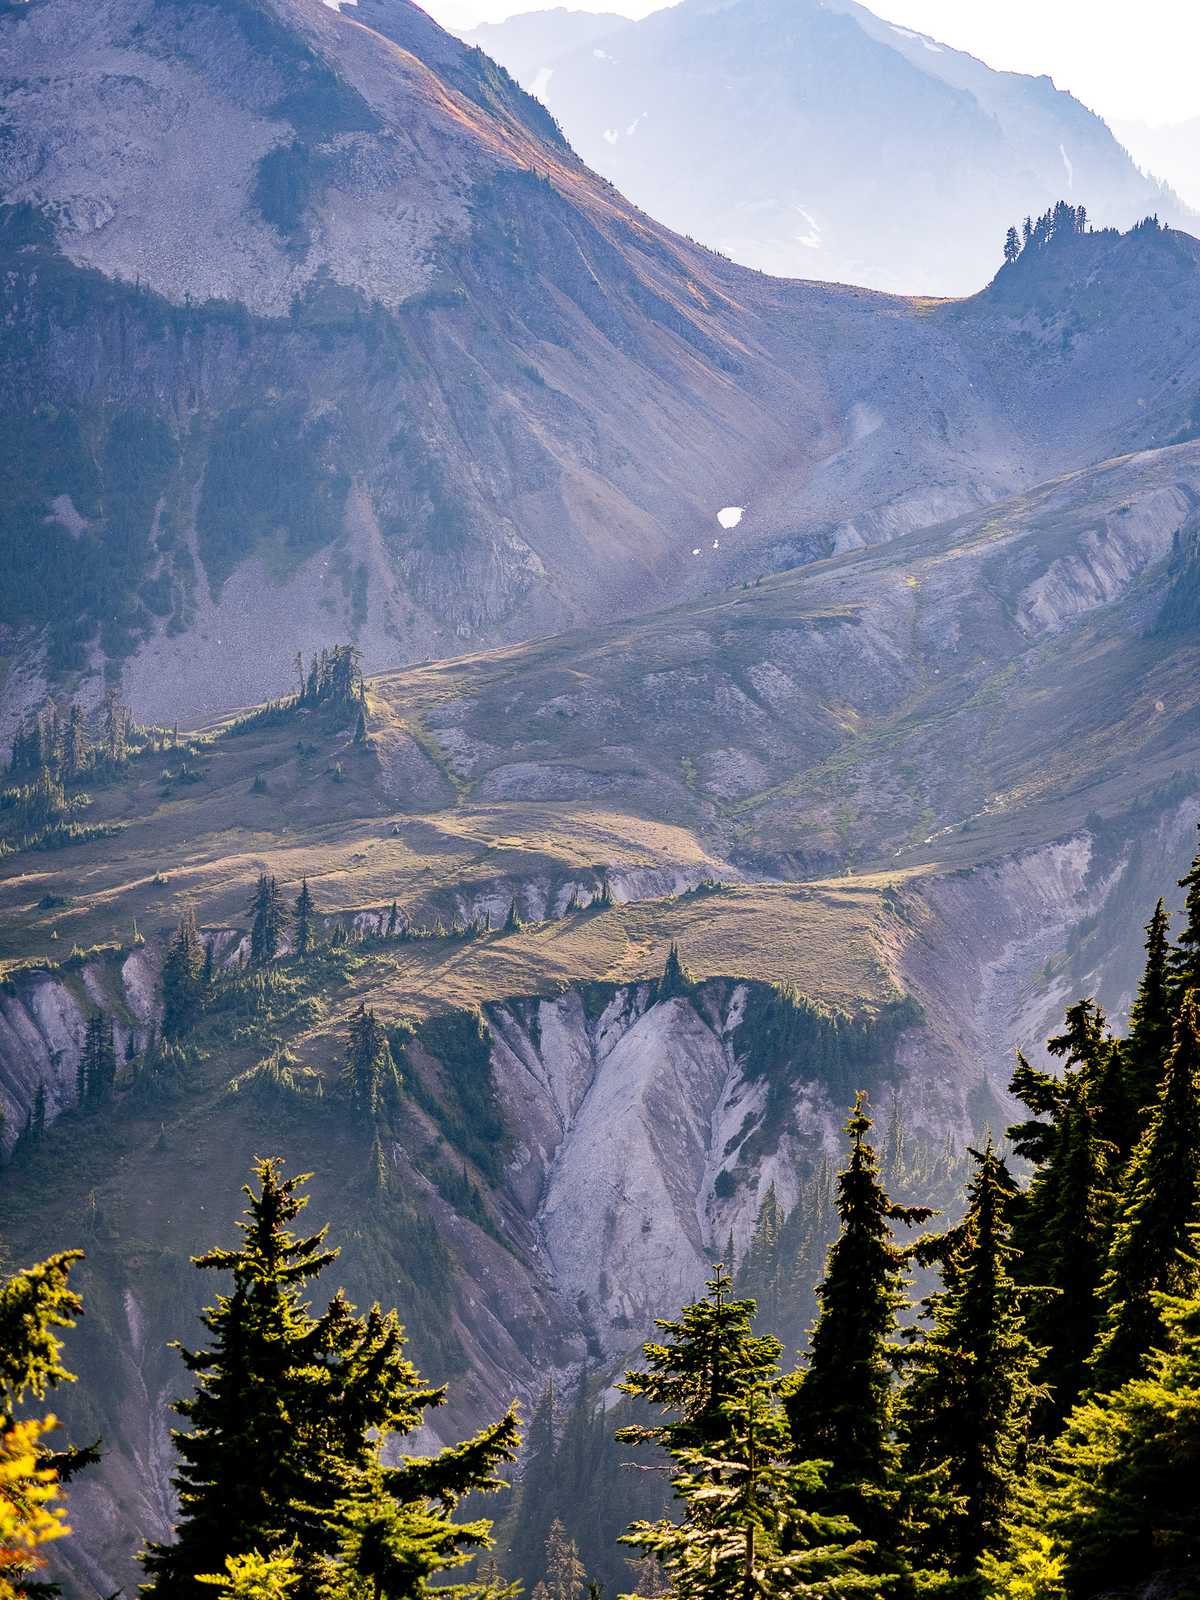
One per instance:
(601, 55)
(611, 135)
(541, 82)
(633, 126)
(336, 5)
(812, 239)
(716, 544)
(696, 551)
(1067, 164)
(730, 516)
(907, 33)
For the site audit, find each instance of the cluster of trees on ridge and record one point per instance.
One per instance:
(1032, 1432)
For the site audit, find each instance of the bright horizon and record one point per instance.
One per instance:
(1144, 72)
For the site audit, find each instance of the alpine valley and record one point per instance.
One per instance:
(773, 689)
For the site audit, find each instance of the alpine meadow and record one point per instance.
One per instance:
(599, 802)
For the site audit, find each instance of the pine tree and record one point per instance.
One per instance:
(749, 1530)
(540, 1483)
(708, 1358)
(676, 979)
(1159, 1203)
(839, 1407)
(393, 920)
(288, 1419)
(269, 917)
(183, 979)
(75, 745)
(361, 734)
(1114, 1507)
(34, 1305)
(1151, 1021)
(302, 915)
(1185, 958)
(565, 1574)
(1012, 246)
(97, 1072)
(512, 922)
(369, 1074)
(965, 1409)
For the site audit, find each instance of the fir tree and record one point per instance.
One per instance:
(34, 1305)
(565, 1574)
(393, 920)
(75, 745)
(97, 1072)
(288, 1419)
(512, 922)
(540, 1484)
(1012, 246)
(749, 1530)
(676, 979)
(1185, 958)
(1151, 1020)
(708, 1358)
(368, 1074)
(361, 733)
(183, 979)
(839, 1408)
(1114, 1507)
(302, 915)
(964, 1411)
(1159, 1203)
(269, 917)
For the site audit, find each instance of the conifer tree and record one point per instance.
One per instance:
(1151, 1021)
(1114, 1506)
(369, 1074)
(839, 1406)
(538, 1491)
(269, 918)
(97, 1072)
(361, 735)
(512, 922)
(749, 1530)
(302, 915)
(965, 1409)
(1012, 246)
(676, 979)
(565, 1574)
(288, 1419)
(1185, 958)
(34, 1305)
(393, 920)
(75, 745)
(708, 1358)
(1159, 1203)
(183, 979)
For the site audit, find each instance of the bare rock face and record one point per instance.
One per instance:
(317, 328)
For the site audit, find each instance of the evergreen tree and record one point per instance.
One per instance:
(1185, 958)
(302, 915)
(34, 1305)
(964, 1411)
(393, 920)
(1114, 1506)
(749, 1530)
(565, 1574)
(1012, 247)
(538, 1492)
(369, 1074)
(75, 745)
(1159, 1203)
(288, 1419)
(97, 1072)
(269, 918)
(361, 734)
(708, 1359)
(676, 979)
(1151, 1020)
(839, 1407)
(183, 980)
(512, 922)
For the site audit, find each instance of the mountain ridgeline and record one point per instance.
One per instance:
(393, 363)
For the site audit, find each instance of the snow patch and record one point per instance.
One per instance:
(1067, 164)
(907, 33)
(633, 126)
(730, 516)
(336, 5)
(611, 135)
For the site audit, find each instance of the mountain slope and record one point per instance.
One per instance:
(388, 361)
(813, 139)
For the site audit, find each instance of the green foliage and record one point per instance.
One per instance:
(965, 1410)
(97, 1072)
(270, 919)
(469, 1115)
(676, 980)
(302, 920)
(283, 187)
(183, 979)
(287, 1422)
(839, 1406)
(369, 1075)
(1158, 1206)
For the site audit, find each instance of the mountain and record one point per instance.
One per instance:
(897, 808)
(1169, 149)
(387, 361)
(526, 42)
(812, 139)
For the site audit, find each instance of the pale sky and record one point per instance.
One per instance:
(1137, 61)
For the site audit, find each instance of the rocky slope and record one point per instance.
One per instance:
(388, 360)
(817, 140)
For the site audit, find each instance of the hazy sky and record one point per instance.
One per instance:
(1124, 60)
